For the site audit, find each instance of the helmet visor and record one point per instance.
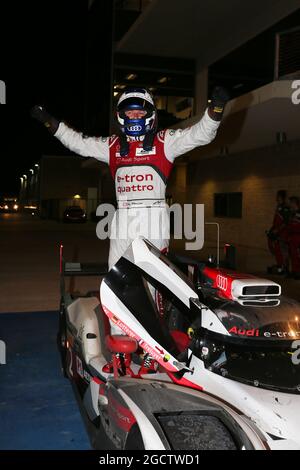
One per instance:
(135, 113)
(136, 104)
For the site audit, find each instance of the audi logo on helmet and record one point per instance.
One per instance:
(134, 128)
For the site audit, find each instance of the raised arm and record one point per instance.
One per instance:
(96, 147)
(180, 141)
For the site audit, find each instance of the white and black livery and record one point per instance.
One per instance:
(223, 341)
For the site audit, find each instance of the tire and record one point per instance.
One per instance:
(197, 432)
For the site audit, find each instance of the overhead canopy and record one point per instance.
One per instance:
(201, 29)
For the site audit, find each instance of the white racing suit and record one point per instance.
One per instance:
(140, 178)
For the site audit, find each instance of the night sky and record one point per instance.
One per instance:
(43, 61)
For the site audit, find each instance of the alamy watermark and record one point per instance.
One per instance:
(296, 93)
(2, 352)
(152, 222)
(296, 354)
(2, 92)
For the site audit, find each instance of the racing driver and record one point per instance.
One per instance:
(140, 160)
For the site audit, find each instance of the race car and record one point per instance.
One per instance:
(227, 378)
(9, 205)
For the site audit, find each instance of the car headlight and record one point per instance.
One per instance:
(6, 207)
(16, 207)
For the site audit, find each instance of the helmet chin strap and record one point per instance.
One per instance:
(147, 143)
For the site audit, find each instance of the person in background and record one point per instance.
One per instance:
(293, 232)
(278, 235)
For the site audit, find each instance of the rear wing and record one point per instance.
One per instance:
(70, 269)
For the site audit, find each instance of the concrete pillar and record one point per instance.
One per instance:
(201, 85)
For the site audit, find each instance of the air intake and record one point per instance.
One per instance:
(254, 288)
(261, 290)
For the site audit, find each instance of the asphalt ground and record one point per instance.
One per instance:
(38, 410)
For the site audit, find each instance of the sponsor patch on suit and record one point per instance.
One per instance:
(140, 152)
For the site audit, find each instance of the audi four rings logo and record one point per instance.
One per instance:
(135, 128)
(222, 282)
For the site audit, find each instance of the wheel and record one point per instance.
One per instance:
(62, 339)
(196, 432)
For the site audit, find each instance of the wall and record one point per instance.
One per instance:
(60, 178)
(63, 177)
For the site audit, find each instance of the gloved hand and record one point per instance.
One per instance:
(219, 97)
(41, 115)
